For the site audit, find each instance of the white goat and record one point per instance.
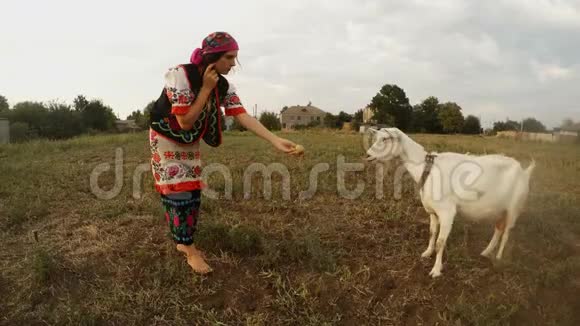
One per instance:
(488, 187)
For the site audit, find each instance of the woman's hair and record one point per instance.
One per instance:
(211, 58)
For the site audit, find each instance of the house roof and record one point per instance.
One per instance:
(129, 121)
(304, 110)
(574, 127)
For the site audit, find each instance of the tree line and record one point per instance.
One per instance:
(57, 120)
(391, 107)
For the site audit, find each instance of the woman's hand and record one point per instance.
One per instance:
(210, 77)
(283, 145)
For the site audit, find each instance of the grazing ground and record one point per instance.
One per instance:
(68, 257)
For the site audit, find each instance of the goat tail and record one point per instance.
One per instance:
(530, 168)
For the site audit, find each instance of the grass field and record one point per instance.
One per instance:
(67, 257)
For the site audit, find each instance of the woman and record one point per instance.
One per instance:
(187, 111)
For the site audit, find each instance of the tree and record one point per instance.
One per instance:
(57, 120)
(147, 115)
(80, 103)
(451, 118)
(97, 116)
(344, 117)
(135, 115)
(357, 120)
(330, 120)
(508, 125)
(391, 106)
(63, 122)
(472, 125)
(336, 121)
(20, 132)
(533, 125)
(34, 114)
(139, 119)
(53, 121)
(4, 107)
(270, 121)
(418, 121)
(429, 115)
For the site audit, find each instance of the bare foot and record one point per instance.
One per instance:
(195, 259)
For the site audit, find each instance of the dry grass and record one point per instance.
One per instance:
(323, 261)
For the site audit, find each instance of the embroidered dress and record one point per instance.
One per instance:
(175, 156)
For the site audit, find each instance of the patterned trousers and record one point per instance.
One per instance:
(181, 213)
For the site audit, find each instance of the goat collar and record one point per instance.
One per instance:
(429, 160)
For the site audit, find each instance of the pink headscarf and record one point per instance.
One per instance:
(215, 42)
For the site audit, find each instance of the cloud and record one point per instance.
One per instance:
(545, 13)
(550, 72)
(504, 58)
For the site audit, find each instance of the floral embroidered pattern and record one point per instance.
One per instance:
(217, 39)
(166, 169)
(211, 112)
(232, 101)
(181, 217)
(169, 172)
(232, 104)
(171, 155)
(179, 97)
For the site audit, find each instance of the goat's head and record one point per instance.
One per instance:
(386, 144)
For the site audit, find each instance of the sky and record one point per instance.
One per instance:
(497, 59)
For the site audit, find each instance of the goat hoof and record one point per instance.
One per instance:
(434, 273)
(427, 254)
(486, 254)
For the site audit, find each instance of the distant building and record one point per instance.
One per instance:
(301, 115)
(367, 115)
(126, 125)
(365, 127)
(4, 131)
(569, 133)
(557, 136)
(572, 130)
(368, 121)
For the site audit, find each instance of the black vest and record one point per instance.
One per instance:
(209, 123)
